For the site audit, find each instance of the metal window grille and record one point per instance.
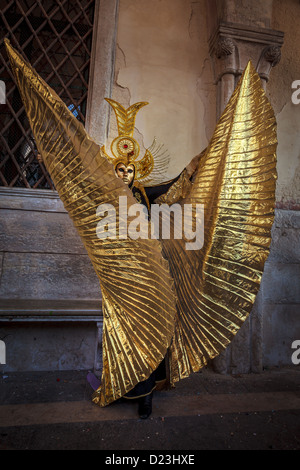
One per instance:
(56, 38)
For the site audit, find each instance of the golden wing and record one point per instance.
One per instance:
(138, 302)
(216, 285)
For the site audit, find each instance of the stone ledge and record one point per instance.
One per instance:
(50, 310)
(42, 200)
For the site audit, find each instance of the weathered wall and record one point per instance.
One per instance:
(246, 12)
(281, 282)
(162, 57)
(285, 16)
(49, 293)
(280, 290)
(42, 255)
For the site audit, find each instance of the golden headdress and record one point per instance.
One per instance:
(151, 168)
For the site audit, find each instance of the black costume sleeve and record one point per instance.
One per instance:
(155, 191)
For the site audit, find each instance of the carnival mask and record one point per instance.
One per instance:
(125, 172)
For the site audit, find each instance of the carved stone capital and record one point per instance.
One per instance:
(272, 54)
(224, 47)
(250, 43)
(231, 47)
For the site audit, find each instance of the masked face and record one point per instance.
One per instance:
(126, 173)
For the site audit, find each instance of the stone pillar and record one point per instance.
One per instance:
(231, 46)
(102, 69)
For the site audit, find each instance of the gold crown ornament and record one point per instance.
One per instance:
(151, 168)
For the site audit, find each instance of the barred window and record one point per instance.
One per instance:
(56, 38)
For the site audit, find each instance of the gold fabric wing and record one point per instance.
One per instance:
(138, 301)
(216, 286)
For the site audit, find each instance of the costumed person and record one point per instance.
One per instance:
(143, 391)
(133, 171)
(162, 301)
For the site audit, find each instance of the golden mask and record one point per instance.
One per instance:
(125, 172)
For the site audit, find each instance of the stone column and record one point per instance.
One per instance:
(231, 46)
(102, 69)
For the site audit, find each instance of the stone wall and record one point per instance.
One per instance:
(162, 56)
(42, 255)
(50, 299)
(281, 290)
(285, 16)
(265, 340)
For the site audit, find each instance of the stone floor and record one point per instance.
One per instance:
(53, 410)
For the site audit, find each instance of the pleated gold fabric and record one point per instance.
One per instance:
(216, 286)
(138, 301)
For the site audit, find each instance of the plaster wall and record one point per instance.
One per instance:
(247, 12)
(285, 17)
(162, 57)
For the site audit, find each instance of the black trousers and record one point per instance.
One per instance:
(147, 386)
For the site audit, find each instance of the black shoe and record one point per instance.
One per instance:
(145, 406)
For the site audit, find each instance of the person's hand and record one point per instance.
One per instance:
(193, 165)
